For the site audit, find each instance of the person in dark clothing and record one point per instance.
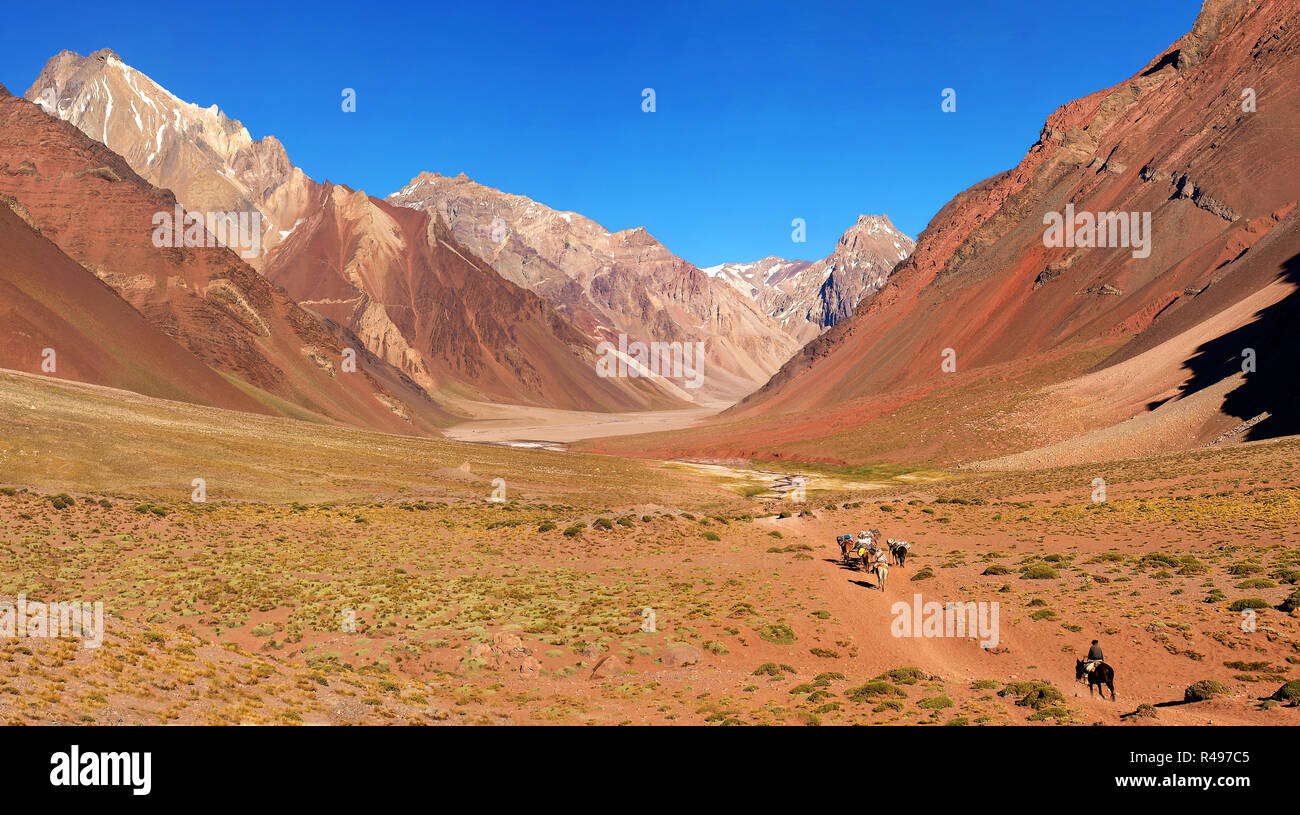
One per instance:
(1094, 655)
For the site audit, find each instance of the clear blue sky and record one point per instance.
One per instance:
(765, 111)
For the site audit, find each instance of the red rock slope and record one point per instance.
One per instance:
(429, 307)
(48, 301)
(423, 302)
(1024, 320)
(611, 283)
(87, 200)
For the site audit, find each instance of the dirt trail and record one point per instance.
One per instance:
(1025, 650)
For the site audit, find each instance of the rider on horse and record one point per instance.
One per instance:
(1094, 656)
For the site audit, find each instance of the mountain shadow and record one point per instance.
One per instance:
(1272, 387)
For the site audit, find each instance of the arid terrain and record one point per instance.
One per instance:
(537, 609)
(449, 454)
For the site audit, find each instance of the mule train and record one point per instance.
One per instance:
(866, 548)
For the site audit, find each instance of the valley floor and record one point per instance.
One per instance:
(526, 426)
(360, 578)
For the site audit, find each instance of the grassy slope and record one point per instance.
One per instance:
(69, 436)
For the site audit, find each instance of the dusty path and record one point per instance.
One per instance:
(1025, 649)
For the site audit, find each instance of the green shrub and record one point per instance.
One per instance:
(874, 689)
(1291, 603)
(1256, 583)
(1290, 693)
(1239, 665)
(778, 633)
(907, 675)
(1043, 696)
(1054, 712)
(935, 703)
(1205, 689)
(1038, 571)
(1248, 602)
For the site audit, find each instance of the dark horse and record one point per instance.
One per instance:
(1103, 674)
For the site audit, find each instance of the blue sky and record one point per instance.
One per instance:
(766, 112)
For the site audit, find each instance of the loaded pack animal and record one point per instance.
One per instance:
(898, 550)
(845, 542)
(881, 569)
(1098, 674)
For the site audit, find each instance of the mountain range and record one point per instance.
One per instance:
(415, 300)
(991, 340)
(1125, 290)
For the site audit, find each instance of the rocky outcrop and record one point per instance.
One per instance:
(209, 161)
(806, 298)
(400, 281)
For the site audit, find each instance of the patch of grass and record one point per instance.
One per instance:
(777, 633)
(1248, 602)
(906, 675)
(1038, 571)
(935, 702)
(875, 689)
(1054, 712)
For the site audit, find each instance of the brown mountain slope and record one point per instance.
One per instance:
(1024, 320)
(48, 301)
(424, 303)
(431, 309)
(610, 283)
(89, 202)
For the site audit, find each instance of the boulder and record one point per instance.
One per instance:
(680, 655)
